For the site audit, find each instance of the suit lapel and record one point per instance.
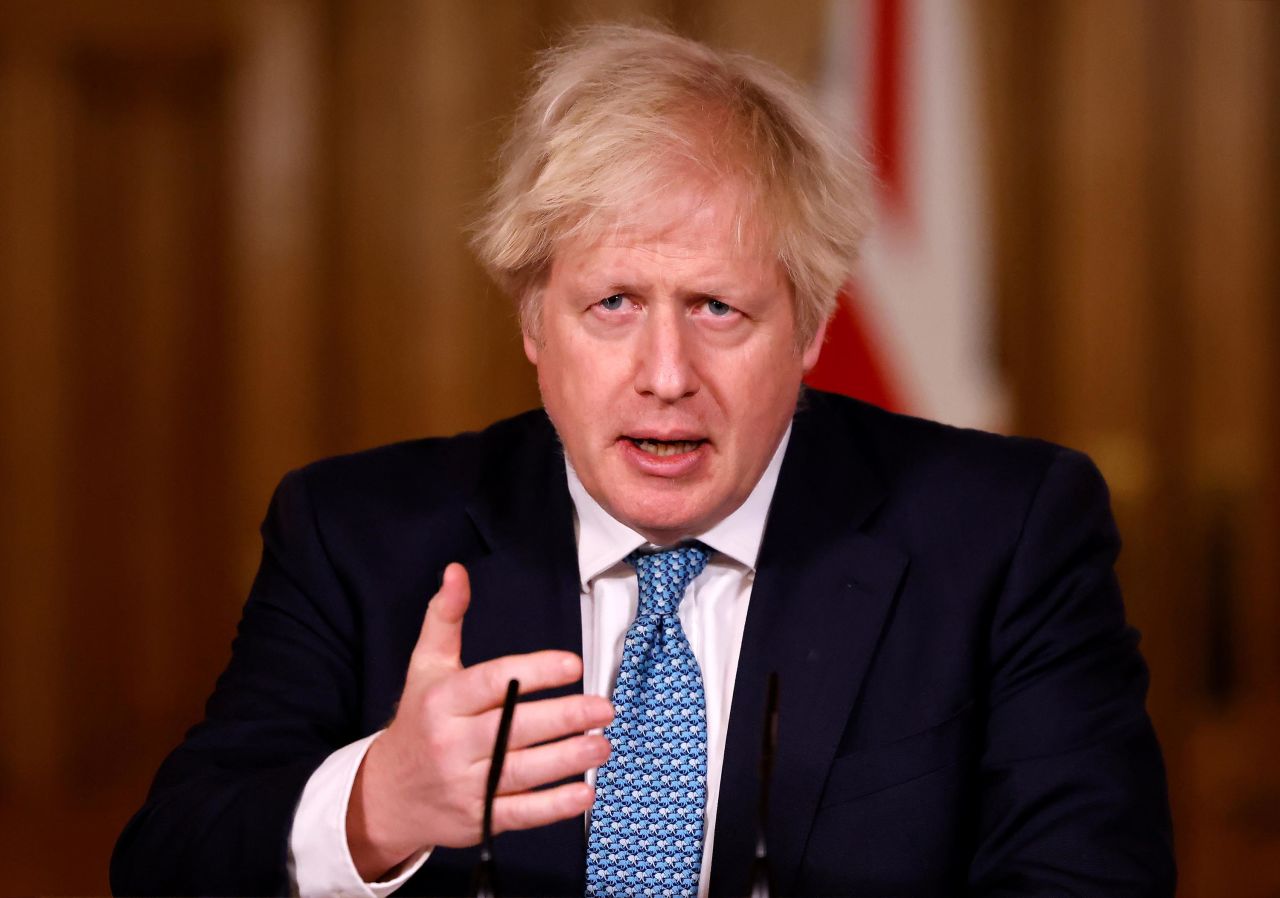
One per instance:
(525, 598)
(821, 596)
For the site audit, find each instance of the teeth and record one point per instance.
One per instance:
(664, 449)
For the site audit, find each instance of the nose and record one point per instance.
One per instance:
(666, 366)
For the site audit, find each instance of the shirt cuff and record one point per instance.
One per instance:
(319, 858)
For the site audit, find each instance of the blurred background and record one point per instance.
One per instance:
(231, 241)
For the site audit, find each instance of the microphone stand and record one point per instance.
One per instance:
(483, 884)
(759, 877)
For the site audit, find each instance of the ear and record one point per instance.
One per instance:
(531, 322)
(814, 349)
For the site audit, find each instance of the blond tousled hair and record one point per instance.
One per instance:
(618, 112)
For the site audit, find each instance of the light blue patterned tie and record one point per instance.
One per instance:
(646, 824)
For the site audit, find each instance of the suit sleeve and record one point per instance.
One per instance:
(1073, 798)
(218, 816)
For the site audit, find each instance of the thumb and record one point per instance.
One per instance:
(440, 642)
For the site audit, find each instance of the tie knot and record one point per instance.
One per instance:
(664, 576)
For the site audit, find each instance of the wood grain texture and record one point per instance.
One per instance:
(232, 239)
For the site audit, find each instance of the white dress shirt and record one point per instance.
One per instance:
(713, 615)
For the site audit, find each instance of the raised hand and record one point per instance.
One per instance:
(421, 783)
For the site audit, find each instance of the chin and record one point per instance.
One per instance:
(671, 524)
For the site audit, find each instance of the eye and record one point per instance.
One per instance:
(719, 308)
(611, 303)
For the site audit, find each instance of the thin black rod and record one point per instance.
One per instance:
(495, 765)
(484, 870)
(760, 877)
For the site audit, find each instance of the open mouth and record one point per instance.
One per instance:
(663, 448)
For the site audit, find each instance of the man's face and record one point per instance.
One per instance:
(667, 361)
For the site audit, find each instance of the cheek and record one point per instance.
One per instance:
(755, 381)
(759, 395)
(591, 371)
(577, 391)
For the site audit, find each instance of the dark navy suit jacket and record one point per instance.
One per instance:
(962, 702)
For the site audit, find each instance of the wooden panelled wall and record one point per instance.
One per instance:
(230, 242)
(1134, 150)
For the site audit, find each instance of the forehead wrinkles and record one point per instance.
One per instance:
(671, 260)
(686, 221)
(668, 183)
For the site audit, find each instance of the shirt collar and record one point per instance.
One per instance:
(603, 541)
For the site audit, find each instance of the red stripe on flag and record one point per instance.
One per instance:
(850, 363)
(886, 105)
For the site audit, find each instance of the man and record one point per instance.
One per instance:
(961, 701)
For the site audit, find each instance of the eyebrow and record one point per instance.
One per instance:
(608, 286)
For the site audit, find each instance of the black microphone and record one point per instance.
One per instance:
(483, 886)
(760, 874)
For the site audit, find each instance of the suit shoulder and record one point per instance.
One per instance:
(945, 457)
(430, 470)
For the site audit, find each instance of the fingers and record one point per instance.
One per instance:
(552, 718)
(532, 767)
(483, 686)
(440, 641)
(431, 763)
(539, 722)
(540, 808)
